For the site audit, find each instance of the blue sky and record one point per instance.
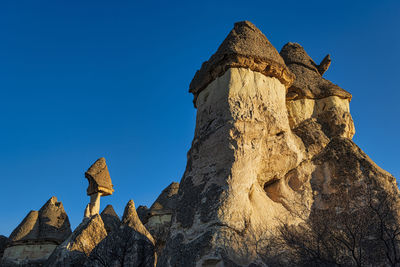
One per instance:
(85, 79)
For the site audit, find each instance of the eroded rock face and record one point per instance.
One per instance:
(130, 245)
(158, 218)
(232, 187)
(38, 235)
(244, 47)
(3, 244)
(312, 96)
(110, 218)
(77, 247)
(264, 152)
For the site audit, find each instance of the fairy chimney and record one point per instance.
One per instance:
(99, 185)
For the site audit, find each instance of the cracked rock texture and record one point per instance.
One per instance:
(110, 219)
(130, 245)
(264, 150)
(35, 238)
(78, 246)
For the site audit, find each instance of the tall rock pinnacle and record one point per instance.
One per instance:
(234, 187)
(270, 147)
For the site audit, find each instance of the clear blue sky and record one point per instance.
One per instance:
(85, 79)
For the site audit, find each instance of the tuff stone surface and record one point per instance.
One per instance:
(262, 156)
(130, 245)
(99, 178)
(77, 247)
(158, 220)
(3, 244)
(234, 170)
(309, 82)
(245, 47)
(110, 219)
(312, 96)
(131, 219)
(38, 235)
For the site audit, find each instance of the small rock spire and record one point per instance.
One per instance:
(324, 65)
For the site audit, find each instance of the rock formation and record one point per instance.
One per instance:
(158, 218)
(3, 244)
(272, 160)
(110, 219)
(99, 185)
(77, 247)
(272, 145)
(130, 245)
(37, 235)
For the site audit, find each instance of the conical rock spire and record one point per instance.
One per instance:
(131, 219)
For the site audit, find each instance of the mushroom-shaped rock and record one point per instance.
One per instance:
(77, 247)
(245, 47)
(312, 96)
(309, 82)
(110, 219)
(130, 245)
(99, 185)
(38, 235)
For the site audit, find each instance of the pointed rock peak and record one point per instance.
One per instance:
(110, 218)
(52, 202)
(244, 47)
(54, 221)
(129, 212)
(109, 210)
(132, 220)
(28, 229)
(294, 53)
(99, 178)
(78, 246)
(247, 40)
(166, 200)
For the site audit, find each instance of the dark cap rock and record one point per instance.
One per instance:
(308, 83)
(99, 178)
(245, 47)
